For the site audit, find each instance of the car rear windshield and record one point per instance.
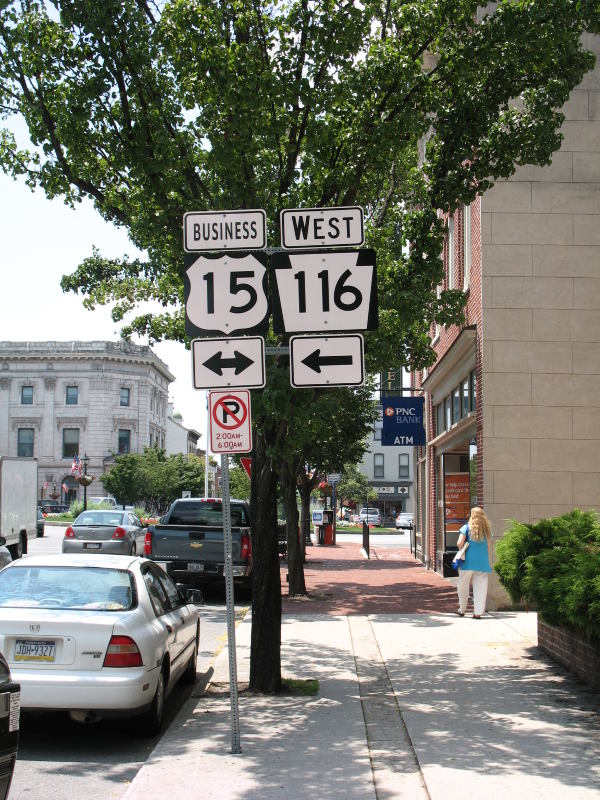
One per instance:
(73, 588)
(206, 514)
(100, 518)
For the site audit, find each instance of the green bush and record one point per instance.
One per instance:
(555, 564)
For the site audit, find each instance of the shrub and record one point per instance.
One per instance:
(555, 564)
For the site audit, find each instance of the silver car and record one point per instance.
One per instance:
(105, 531)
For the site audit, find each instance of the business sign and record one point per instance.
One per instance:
(324, 291)
(226, 294)
(327, 360)
(238, 362)
(224, 230)
(403, 423)
(340, 226)
(230, 422)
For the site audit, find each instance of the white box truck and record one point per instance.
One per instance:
(18, 502)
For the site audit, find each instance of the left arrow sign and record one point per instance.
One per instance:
(229, 363)
(315, 361)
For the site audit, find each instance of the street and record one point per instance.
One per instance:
(59, 759)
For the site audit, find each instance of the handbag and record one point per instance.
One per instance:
(459, 558)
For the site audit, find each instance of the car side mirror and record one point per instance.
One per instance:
(193, 596)
(2, 541)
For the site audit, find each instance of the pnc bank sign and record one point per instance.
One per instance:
(403, 421)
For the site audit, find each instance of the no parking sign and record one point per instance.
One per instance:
(230, 421)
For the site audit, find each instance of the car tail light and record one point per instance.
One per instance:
(69, 533)
(122, 652)
(245, 546)
(119, 533)
(148, 544)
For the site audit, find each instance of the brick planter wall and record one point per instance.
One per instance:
(572, 651)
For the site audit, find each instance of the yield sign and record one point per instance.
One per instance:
(327, 360)
(230, 422)
(247, 465)
(229, 363)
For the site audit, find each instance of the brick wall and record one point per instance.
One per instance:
(572, 651)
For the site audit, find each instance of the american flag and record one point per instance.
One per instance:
(76, 466)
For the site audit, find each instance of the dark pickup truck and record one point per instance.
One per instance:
(189, 541)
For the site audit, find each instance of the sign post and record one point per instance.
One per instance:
(230, 432)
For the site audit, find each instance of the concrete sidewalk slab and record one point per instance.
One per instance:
(487, 714)
(292, 747)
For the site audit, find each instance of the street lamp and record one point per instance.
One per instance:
(85, 479)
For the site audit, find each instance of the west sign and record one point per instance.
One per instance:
(341, 226)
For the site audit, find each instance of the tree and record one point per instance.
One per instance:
(124, 479)
(153, 478)
(354, 486)
(151, 109)
(239, 482)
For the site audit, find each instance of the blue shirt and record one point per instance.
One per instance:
(477, 556)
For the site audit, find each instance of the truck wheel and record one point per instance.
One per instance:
(20, 548)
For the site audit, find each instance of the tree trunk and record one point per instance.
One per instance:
(265, 645)
(297, 585)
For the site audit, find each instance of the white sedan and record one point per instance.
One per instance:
(96, 635)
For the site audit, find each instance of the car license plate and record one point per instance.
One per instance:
(34, 650)
(195, 567)
(92, 546)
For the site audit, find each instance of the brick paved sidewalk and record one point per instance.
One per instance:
(341, 581)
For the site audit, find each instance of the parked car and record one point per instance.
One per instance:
(105, 531)
(372, 516)
(53, 507)
(97, 636)
(5, 556)
(109, 502)
(9, 726)
(404, 520)
(39, 526)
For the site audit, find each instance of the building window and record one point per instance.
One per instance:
(70, 446)
(26, 395)
(473, 390)
(72, 395)
(450, 252)
(440, 418)
(448, 413)
(124, 440)
(456, 405)
(466, 246)
(124, 396)
(403, 465)
(378, 424)
(25, 442)
(464, 391)
(378, 470)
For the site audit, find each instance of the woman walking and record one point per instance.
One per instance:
(476, 565)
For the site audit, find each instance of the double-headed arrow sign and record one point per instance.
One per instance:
(327, 360)
(228, 363)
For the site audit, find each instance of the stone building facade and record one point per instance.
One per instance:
(514, 397)
(61, 399)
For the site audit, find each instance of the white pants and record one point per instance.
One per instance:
(480, 585)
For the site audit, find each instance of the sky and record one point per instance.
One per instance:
(42, 240)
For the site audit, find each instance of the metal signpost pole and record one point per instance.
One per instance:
(233, 688)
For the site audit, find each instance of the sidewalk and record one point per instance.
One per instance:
(414, 702)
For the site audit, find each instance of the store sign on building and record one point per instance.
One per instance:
(403, 423)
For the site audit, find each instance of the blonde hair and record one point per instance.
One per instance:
(479, 525)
